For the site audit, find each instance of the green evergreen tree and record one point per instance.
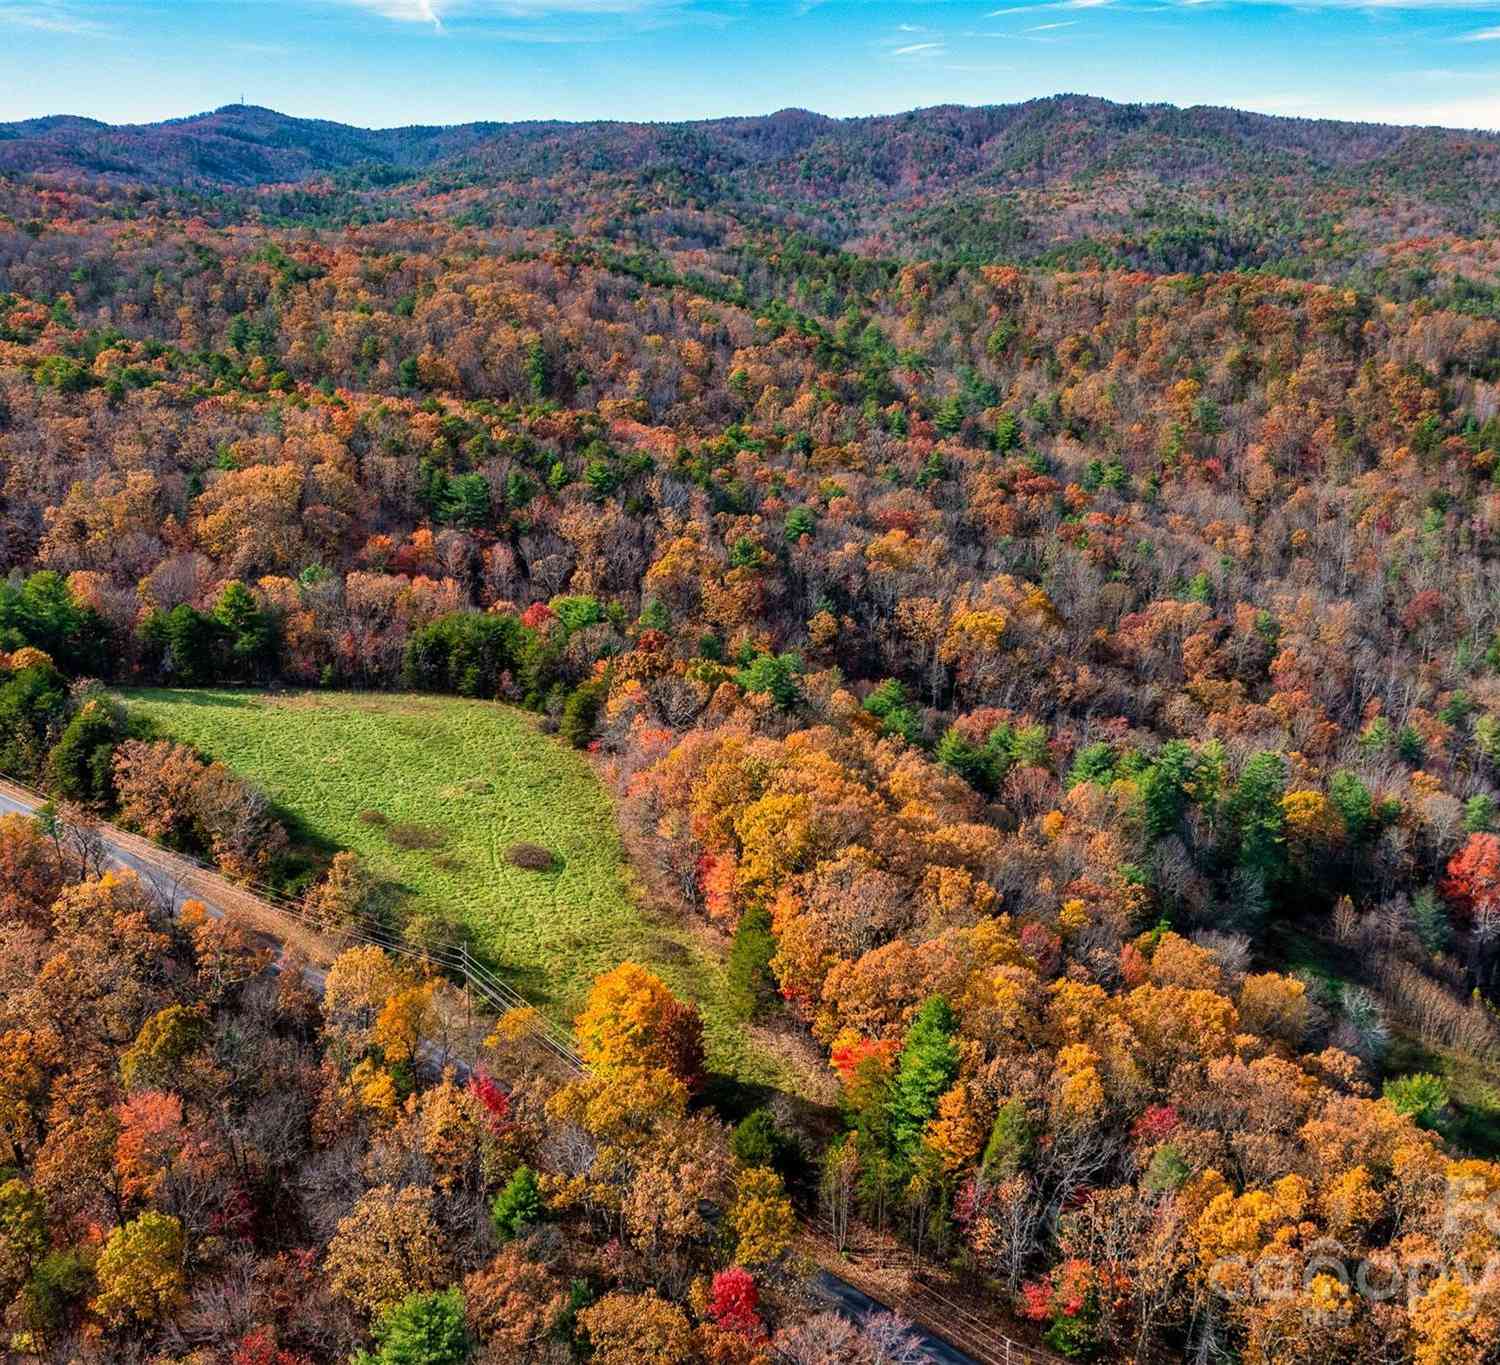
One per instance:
(579, 611)
(464, 652)
(927, 1067)
(33, 705)
(800, 522)
(654, 615)
(42, 612)
(1256, 815)
(756, 1140)
(1164, 788)
(1012, 1138)
(580, 714)
(1486, 734)
(1421, 1096)
(519, 490)
(1093, 763)
(1167, 1170)
(536, 369)
(891, 706)
(518, 1205)
(1352, 799)
(1479, 813)
(188, 640)
(423, 1329)
(465, 501)
(1430, 920)
(1026, 747)
(80, 766)
(1007, 430)
(776, 674)
(972, 762)
(250, 632)
(752, 985)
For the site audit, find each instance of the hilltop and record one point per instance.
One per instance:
(1042, 141)
(1209, 187)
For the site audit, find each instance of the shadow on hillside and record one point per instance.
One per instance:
(732, 1098)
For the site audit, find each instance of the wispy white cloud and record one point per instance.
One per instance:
(51, 18)
(1447, 73)
(1042, 28)
(917, 49)
(435, 12)
(404, 11)
(1482, 112)
(1047, 4)
(1271, 103)
(1483, 35)
(254, 49)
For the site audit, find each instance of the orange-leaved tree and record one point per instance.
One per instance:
(632, 1019)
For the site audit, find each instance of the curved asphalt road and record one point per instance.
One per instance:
(856, 1305)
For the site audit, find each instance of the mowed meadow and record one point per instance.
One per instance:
(432, 792)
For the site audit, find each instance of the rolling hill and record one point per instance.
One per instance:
(1065, 138)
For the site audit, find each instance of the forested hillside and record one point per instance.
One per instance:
(1056, 181)
(1043, 625)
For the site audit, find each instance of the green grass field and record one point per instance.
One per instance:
(468, 779)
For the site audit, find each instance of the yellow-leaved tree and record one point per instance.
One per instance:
(389, 1246)
(140, 1271)
(633, 1021)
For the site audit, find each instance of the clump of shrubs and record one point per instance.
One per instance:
(531, 857)
(409, 836)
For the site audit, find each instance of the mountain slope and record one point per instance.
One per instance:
(1067, 137)
(236, 145)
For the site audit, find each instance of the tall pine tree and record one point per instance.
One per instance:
(927, 1067)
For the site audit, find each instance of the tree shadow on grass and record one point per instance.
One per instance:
(307, 854)
(732, 1097)
(806, 1125)
(302, 834)
(529, 981)
(192, 696)
(669, 951)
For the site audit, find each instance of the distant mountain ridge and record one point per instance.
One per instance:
(238, 145)
(1064, 137)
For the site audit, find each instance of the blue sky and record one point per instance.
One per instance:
(388, 62)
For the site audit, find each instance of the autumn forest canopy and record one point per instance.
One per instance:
(1029, 578)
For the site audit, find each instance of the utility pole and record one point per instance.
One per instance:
(468, 996)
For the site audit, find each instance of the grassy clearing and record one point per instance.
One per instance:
(434, 794)
(1471, 1120)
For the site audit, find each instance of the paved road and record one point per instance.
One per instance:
(159, 880)
(163, 885)
(856, 1305)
